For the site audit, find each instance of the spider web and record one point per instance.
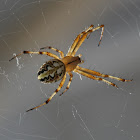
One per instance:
(89, 109)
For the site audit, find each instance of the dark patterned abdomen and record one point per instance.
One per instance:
(51, 71)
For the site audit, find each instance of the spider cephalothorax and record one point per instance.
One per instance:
(56, 69)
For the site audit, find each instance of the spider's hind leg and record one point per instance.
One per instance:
(30, 52)
(49, 99)
(51, 48)
(68, 85)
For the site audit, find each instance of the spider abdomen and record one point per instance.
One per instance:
(51, 71)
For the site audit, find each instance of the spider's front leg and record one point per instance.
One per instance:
(101, 26)
(77, 40)
(85, 36)
(81, 37)
(49, 99)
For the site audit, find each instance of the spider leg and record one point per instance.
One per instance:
(101, 26)
(77, 40)
(49, 99)
(29, 52)
(49, 47)
(99, 74)
(84, 37)
(94, 78)
(71, 76)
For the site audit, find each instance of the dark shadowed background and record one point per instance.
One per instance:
(89, 110)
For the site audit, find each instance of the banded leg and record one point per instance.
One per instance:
(49, 99)
(49, 47)
(101, 26)
(84, 37)
(29, 52)
(77, 39)
(99, 74)
(71, 76)
(94, 78)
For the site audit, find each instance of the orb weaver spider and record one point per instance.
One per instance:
(56, 69)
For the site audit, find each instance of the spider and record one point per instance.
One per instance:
(57, 68)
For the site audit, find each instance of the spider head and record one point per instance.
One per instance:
(71, 62)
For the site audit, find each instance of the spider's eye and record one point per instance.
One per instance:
(80, 59)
